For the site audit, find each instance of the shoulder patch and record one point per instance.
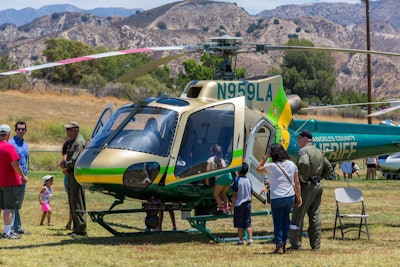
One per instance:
(302, 152)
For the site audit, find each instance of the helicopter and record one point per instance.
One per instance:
(158, 147)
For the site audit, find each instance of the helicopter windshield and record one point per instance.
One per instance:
(148, 130)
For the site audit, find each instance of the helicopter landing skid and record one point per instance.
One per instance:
(98, 216)
(199, 223)
(150, 208)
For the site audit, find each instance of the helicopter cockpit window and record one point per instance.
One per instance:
(204, 129)
(148, 130)
(111, 125)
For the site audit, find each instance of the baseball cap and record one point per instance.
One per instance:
(5, 129)
(72, 124)
(47, 177)
(305, 133)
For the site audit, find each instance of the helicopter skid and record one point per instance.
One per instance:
(199, 223)
(98, 216)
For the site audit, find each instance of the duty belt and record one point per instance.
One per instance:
(314, 179)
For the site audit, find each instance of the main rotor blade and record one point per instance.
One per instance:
(131, 75)
(383, 111)
(95, 56)
(352, 104)
(265, 48)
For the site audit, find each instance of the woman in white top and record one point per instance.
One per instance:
(285, 191)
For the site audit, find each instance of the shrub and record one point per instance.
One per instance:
(162, 25)
(378, 83)
(44, 160)
(251, 28)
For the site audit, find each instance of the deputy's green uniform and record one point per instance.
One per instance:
(76, 193)
(311, 163)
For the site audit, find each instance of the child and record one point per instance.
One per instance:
(222, 182)
(241, 200)
(45, 195)
(355, 168)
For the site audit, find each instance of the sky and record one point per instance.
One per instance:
(251, 6)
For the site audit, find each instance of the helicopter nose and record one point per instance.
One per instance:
(139, 176)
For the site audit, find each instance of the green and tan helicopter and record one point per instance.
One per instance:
(158, 147)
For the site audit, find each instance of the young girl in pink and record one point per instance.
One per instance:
(45, 195)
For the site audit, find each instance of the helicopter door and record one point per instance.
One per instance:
(219, 123)
(104, 117)
(259, 139)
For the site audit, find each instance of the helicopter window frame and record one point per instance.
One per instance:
(132, 132)
(203, 129)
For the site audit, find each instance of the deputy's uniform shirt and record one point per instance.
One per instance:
(312, 162)
(73, 152)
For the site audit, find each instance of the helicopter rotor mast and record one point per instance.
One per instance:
(226, 47)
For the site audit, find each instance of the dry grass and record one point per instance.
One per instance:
(48, 246)
(40, 108)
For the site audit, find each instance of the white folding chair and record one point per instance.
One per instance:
(347, 196)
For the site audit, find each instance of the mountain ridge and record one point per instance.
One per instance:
(185, 22)
(28, 14)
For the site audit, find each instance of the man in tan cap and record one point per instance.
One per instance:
(11, 178)
(76, 193)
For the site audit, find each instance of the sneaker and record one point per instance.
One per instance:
(23, 232)
(12, 235)
(79, 236)
(250, 242)
(239, 243)
(68, 226)
(174, 229)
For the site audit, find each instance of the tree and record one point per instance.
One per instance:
(204, 71)
(95, 74)
(59, 49)
(12, 81)
(308, 74)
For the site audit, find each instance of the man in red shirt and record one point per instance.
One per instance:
(11, 178)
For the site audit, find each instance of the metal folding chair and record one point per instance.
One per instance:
(347, 196)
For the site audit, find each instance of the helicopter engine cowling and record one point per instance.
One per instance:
(295, 102)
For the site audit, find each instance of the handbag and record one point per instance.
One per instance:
(269, 196)
(287, 176)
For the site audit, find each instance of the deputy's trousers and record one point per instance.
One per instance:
(311, 195)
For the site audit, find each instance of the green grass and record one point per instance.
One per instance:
(50, 246)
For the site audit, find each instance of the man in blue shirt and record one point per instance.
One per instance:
(22, 149)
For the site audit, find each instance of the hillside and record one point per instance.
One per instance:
(184, 22)
(44, 109)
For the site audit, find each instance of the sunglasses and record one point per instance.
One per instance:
(21, 129)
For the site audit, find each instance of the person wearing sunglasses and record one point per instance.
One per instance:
(11, 179)
(21, 146)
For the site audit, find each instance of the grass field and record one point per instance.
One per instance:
(49, 246)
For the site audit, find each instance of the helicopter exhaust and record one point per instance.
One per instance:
(295, 102)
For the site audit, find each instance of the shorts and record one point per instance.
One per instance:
(46, 207)
(225, 179)
(9, 197)
(371, 165)
(242, 215)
